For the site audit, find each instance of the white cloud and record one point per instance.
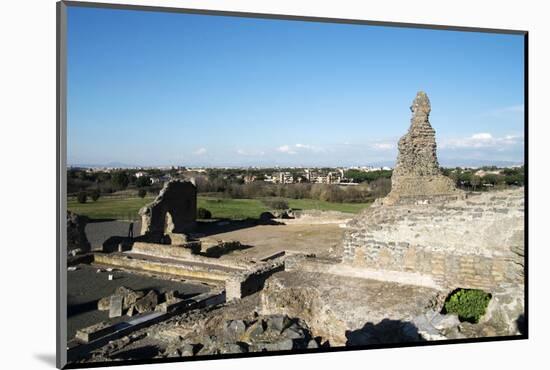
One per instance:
(200, 151)
(482, 136)
(286, 149)
(293, 149)
(481, 140)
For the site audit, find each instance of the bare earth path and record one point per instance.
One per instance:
(320, 239)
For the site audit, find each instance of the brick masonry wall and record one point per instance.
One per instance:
(473, 243)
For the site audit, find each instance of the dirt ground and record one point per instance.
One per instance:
(323, 240)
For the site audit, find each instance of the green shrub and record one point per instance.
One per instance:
(143, 181)
(468, 304)
(276, 203)
(121, 180)
(95, 195)
(142, 193)
(204, 214)
(81, 197)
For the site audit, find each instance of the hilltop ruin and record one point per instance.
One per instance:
(427, 232)
(402, 256)
(417, 176)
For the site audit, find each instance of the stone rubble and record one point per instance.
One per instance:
(132, 301)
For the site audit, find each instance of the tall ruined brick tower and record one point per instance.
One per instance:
(417, 176)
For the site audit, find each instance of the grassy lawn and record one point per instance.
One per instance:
(110, 207)
(232, 208)
(127, 208)
(326, 206)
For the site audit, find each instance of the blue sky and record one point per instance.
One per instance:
(151, 88)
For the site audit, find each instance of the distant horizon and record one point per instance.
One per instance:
(376, 165)
(151, 89)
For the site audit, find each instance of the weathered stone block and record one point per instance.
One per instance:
(115, 306)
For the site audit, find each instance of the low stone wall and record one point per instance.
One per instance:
(190, 270)
(167, 251)
(475, 242)
(248, 282)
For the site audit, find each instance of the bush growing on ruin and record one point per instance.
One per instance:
(142, 193)
(275, 203)
(204, 214)
(82, 197)
(468, 304)
(95, 195)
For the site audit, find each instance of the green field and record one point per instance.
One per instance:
(127, 208)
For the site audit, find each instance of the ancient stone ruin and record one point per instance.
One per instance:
(172, 213)
(386, 283)
(417, 175)
(426, 232)
(402, 256)
(77, 242)
(474, 243)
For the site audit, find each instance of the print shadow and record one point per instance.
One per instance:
(77, 309)
(220, 226)
(385, 332)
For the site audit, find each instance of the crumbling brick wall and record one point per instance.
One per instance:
(475, 243)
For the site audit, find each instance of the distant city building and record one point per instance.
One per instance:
(249, 178)
(483, 173)
(285, 178)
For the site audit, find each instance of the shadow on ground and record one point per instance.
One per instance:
(76, 309)
(112, 243)
(96, 220)
(385, 332)
(222, 251)
(220, 226)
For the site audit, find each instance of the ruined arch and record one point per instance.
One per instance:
(172, 212)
